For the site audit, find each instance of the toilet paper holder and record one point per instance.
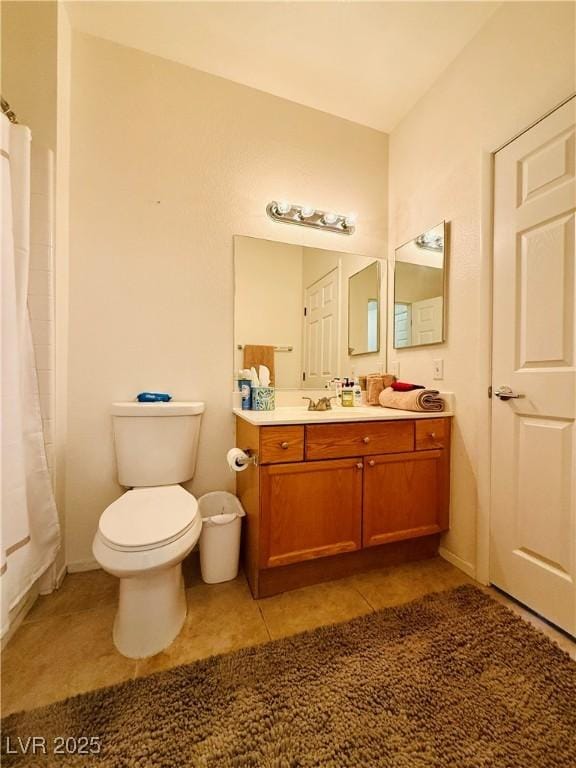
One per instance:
(239, 459)
(252, 456)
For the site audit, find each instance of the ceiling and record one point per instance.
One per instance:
(368, 62)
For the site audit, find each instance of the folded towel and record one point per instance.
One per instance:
(416, 400)
(260, 354)
(405, 386)
(375, 384)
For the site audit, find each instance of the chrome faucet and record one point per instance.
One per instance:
(323, 404)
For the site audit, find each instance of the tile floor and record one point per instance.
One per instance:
(65, 645)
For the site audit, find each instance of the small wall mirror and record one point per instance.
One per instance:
(315, 311)
(420, 289)
(364, 311)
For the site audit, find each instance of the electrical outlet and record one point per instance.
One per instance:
(438, 373)
(395, 368)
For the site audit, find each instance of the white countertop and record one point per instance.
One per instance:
(301, 415)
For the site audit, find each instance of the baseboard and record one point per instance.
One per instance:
(83, 565)
(463, 565)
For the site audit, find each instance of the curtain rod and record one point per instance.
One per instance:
(6, 110)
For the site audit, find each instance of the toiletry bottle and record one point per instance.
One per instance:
(347, 397)
(245, 387)
(338, 390)
(357, 392)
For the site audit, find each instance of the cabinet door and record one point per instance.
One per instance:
(310, 510)
(405, 496)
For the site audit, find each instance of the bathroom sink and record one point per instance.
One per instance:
(301, 415)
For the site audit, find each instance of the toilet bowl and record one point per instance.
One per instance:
(144, 535)
(142, 538)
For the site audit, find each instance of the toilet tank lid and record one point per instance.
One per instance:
(172, 408)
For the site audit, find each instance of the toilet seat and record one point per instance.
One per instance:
(147, 518)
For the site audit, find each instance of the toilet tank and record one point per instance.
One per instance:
(156, 443)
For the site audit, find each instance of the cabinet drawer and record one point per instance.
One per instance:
(279, 444)
(432, 433)
(333, 441)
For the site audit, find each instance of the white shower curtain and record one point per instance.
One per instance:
(29, 520)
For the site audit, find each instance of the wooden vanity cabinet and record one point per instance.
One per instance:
(327, 500)
(403, 496)
(309, 510)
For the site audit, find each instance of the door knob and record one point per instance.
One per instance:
(284, 445)
(505, 393)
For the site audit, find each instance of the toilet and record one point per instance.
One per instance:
(144, 536)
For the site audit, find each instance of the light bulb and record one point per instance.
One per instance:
(283, 206)
(306, 211)
(350, 220)
(330, 218)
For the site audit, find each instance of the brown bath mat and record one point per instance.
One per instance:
(454, 680)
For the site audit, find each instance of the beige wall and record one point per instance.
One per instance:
(167, 164)
(415, 282)
(520, 65)
(29, 67)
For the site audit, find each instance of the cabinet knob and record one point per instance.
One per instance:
(432, 435)
(284, 445)
(359, 465)
(371, 463)
(365, 439)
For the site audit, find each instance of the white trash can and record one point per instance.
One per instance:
(222, 515)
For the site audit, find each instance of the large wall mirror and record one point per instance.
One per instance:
(420, 289)
(320, 311)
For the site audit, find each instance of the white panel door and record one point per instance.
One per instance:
(321, 303)
(402, 325)
(427, 321)
(533, 517)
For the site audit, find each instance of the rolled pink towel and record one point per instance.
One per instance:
(416, 400)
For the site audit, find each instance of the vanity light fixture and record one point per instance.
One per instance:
(329, 218)
(305, 215)
(430, 241)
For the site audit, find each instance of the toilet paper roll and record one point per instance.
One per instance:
(237, 459)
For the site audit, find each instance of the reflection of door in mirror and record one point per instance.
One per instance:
(402, 324)
(321, 320)
(427, 321)
(419, 280)
(295, 298)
